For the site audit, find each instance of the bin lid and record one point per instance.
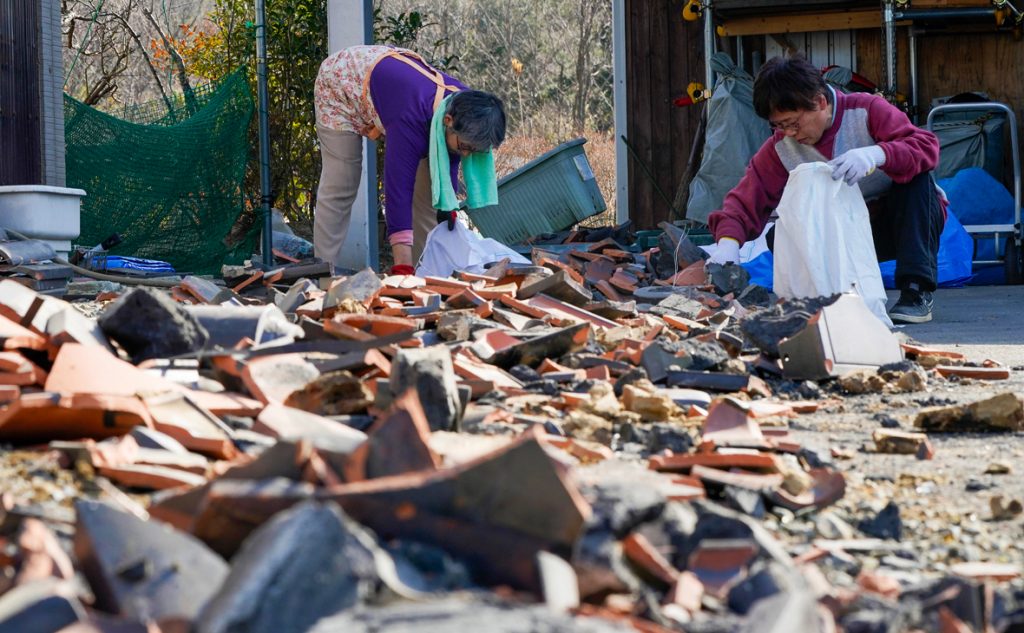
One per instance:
(64, 191)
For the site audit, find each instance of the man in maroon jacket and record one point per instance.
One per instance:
(866, 141)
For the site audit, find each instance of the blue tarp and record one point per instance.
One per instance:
(978, 198)
(955, 249)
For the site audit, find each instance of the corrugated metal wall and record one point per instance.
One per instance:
(20, 138)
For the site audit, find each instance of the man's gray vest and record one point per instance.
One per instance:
(852, 133)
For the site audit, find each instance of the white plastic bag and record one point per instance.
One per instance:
(461, 249)
(823, 242)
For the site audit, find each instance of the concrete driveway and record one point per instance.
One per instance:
(978, 321)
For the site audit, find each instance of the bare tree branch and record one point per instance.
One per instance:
(149, 61)
(179, 64)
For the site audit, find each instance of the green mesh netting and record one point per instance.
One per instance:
(172, 188)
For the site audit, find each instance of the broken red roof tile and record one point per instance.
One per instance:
(534, 350)
(345, 331)
(556, 265)
(14, 336)
(143, 570)
(9, 393)
(721, 563)
(280, 421)
(447, 282)
(881, 584)
(376, 325)
(568, 312)
(196, 428)
(919, 350)
(639, 551)
(600, 269)
(15, 369)
(204, 290)
(587, 453)
(685, 488)
(977, 373)
(523, 307)
(687, 592)
(81, 369)
(609, 291)
(618, 254)
(403, 281)
(768, 409)
(467, 366)
(40, 555)
(747, 480)
(624, 281)
(683, 463)
(558, 286)
(599, 372)
(692, 275)
(45, 416)
(149, 477)
(272, 378)
(497, 339)
(548, 366)
(358, 363)
(590, 257)
(729, 422)
(530, 503)
(681, 323)
(828, 487)
(399, 440)
(804, 406)
(251, 279)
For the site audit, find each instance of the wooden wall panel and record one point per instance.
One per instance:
(664, 54)
(20, 118)
(948, 64)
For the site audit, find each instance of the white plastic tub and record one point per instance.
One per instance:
(42, 212)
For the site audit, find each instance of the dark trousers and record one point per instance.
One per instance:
(906, 224)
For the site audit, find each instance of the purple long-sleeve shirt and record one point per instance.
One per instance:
(404, 100)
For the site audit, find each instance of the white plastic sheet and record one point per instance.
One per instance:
(823, 242)
(461, 249)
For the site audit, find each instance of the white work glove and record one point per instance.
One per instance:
(728, 251)
(856, 164)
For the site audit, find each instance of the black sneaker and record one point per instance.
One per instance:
(914, 306)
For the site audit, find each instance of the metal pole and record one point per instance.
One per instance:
(709, 50)
(914, 116)
(264, 132)
(619, 17)
(945, 15)
(889, 41)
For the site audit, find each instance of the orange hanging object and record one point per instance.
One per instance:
(695, 93)
(692, 10)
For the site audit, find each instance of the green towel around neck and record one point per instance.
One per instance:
(477, 170)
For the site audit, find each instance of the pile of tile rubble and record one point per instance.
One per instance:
(592, 442)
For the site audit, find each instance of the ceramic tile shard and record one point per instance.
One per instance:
(143, 569)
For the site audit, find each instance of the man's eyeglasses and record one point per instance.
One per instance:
(465, 147)
(793, 124)
(785, 126)
(788, 126)
(460, 146)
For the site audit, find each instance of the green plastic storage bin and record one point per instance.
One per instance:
(550, 193)
(648, 238)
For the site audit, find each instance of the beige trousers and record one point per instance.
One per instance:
(342, 157)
